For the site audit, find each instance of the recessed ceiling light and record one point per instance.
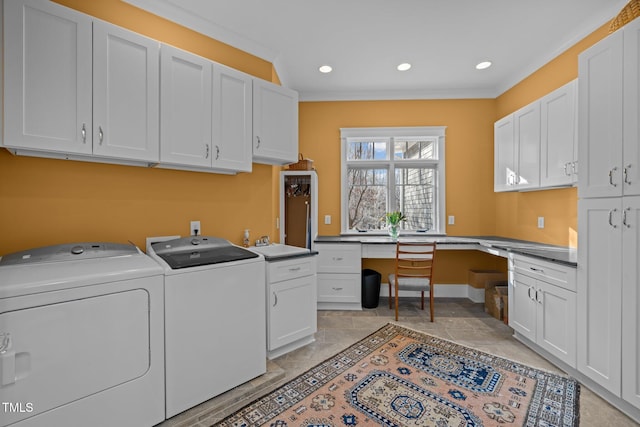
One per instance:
(482, 65)
(404, 66)
(325, 69)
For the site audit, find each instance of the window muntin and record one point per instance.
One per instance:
(387, 169)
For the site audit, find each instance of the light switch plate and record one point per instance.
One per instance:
(451, 220)
(327, 219)
(540, 222)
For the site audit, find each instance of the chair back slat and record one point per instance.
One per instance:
(415, 260)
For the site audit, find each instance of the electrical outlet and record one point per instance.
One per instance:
(451, 220)
(540, 222)
(195, 228)
(327, 219)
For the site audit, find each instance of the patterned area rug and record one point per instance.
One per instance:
(401, 377)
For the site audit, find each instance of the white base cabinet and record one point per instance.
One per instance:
(339, 276)
(542, 305)
(291, 304)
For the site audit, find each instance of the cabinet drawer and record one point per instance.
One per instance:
(556, 274)
(339, 288)
(339, 258)
(278, 271)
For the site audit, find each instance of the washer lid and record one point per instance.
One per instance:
(68, 252)
(199, 250)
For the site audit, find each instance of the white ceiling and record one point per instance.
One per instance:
(364, 41)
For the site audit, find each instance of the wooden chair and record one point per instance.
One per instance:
(413, 271)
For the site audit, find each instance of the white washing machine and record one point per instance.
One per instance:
(81, 337)
(215, 321)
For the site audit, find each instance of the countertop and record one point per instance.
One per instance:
(502, 246)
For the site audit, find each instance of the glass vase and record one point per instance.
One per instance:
(393, 230)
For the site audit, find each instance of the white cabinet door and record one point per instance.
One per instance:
(631, 301)
(185, 100)
(522, 306)
(631, 133)
(126, 87)
(556, 321)
(504, 155)
(600, 91)
(292, 311)
(47, 77)
(558, 115)
(527, 137)
(599, 292)
(232, 120)
(275, 124)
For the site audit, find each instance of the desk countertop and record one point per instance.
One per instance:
(560, 254)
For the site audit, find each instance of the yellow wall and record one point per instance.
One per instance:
(45, 201)
(517, 213)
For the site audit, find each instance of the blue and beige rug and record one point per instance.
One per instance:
(401, 377)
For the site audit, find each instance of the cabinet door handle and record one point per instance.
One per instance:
(83, 132)
(611, 176)
(626, 174)
(538, 300)
(217, 152)
(611, 217)
(100, 134)
(206, 153)
(574, 167)
(258, 139)
(566, 169)
(624, 217)
(537, 270)
(275, 297)
(529, 292)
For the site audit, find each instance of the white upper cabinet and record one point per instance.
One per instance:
(504, 155)
(47, 77)
(527, 138)
(126, 86)
(186, 102)
(232, 119)
(517, 150)
(558, 145)
(275, 124)
(631, 107)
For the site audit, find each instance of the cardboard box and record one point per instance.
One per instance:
(505, 309)
(493, 297)
(479, 278)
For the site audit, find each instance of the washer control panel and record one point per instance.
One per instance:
(68, 252)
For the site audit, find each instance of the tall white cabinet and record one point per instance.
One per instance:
(609, 214)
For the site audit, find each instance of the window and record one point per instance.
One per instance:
(393, 169)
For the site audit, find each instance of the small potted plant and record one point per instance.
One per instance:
(393, 223)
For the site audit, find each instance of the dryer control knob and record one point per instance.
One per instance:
(77, 250)
(195, 241)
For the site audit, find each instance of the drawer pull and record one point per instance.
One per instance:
(537, 270)
(337, 289)
(337, 258)
(294, 269)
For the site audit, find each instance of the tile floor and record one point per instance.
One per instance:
(459, 320)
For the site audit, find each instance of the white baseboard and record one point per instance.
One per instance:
(443, 291)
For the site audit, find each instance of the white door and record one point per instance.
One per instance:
(522, 306)
(556, 321)
(557, 136)
(126, 87)
(504, 154)
(599, 291)
(600, 118)
(292, 311)
(631, 301)
(47, 81)
(631, 149)
(232, 120)
(527, 137)
(185, 106)
(275, 123)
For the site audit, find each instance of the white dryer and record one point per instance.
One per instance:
(81, 336)
(215, 321)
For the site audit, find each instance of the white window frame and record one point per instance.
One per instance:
(389, 133)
